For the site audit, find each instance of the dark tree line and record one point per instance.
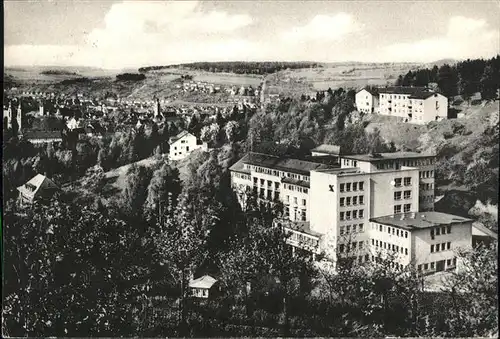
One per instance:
(465, 78)
(130, 77)
(238, 67)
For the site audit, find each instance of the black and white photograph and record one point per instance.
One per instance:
(238, 168)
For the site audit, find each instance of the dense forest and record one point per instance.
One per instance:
(57, 72)
(464, 78)
(130, 77)
(238, 67)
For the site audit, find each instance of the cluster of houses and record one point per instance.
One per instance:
(199, 86)
(418, 105)
(203, 87)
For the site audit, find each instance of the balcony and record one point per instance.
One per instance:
(300, 236)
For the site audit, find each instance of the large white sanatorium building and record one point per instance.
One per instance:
(366, 207)
(417, 105)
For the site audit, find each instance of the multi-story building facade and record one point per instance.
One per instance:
(425, 163)
(427, 240)
(275, 179)
(337, 208)
(418, 105)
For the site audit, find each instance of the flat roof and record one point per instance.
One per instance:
(273, 162)
(387, 156)
(327, 149)
(420, 220)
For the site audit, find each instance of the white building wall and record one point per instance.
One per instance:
(181, 148)
(382, 239)
(382, 190)
(296, 199)
(435, 106)
(460, 237)
(241, 183)
(323, 203)
(366, 102)
(417, 111)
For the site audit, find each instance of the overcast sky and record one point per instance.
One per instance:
(117, 34)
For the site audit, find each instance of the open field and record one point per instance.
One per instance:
(227, 79)
(34, 74)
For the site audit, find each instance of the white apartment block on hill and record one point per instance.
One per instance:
(418, 105)
(183, 144)
(342, 203)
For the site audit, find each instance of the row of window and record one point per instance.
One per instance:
(297, 214)
(440, 230)
(393, 96)
(241, 176)
(425, 267)
(347, 201)
(355, 186)
(441, 247)
(407, 162)
(276, 173)
(426, 186)
(426, 174)
(392, 264)
(406, 208)
(355, 228)
(405, 194)
(349, 162)
(395, 231)
(427, 198)
(295, 200)
(356, 214)
(353, 246)
(269, 183)
(417, 162)
(269, 195)
(406, 181)
(296, 188)
(387, 246)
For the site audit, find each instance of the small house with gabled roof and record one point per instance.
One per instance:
(183, 144)
(39, 187)
(203, 287)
